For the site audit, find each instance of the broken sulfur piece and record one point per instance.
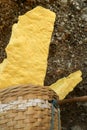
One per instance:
(65, 85)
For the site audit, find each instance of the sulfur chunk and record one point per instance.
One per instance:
(28, 48)
(65, 85)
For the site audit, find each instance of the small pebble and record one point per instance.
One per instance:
(64, 1)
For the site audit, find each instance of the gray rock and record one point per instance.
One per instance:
(84, 14)
(64, 1)
(85, 62)
(76, 4)
(76, 127)
(85, 40)
(63, 128)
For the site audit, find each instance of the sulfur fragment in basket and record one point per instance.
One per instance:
(65, 85)
(27, 53)
(28, 48)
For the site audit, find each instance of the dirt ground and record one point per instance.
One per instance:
(68, 48)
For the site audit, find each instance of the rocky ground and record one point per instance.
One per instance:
(68, 48)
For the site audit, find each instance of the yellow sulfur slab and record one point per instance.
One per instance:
(65, 85)
(27, 51)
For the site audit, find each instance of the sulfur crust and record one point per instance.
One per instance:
(28, 48)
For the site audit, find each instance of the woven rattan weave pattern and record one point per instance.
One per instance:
(32, 117)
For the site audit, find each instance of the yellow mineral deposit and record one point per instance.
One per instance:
(65, 85)
(27, 51)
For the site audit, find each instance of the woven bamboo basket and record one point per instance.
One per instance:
(27, 107)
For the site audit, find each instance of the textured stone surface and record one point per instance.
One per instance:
(27, 51)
